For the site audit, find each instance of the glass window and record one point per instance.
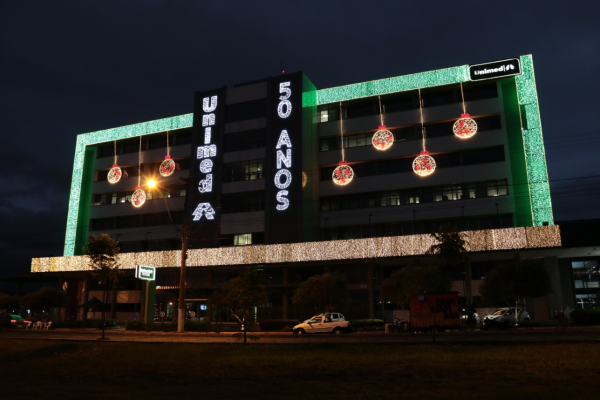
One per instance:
(242, 240)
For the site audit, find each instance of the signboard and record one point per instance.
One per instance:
(496, 69)
(145, 273)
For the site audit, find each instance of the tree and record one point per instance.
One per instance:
(323, 292)
(410, 281)
(9, 301)
(47, 298)
(514, 281)
(450, 246)
(242, 293)
(102, 252)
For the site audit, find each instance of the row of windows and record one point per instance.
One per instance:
(408, 101)
(445, 160)
(150, 142)
(125, 197)
(243, 202)
(148, 169)
(246, 140)
(416, 227)
(247, 110)
(387, 198)
(135, 221)
(409, 133)
(243, 171)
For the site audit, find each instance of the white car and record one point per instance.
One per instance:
(504, 316)
(324, 323)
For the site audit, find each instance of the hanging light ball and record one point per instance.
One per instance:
(424, 164)
(138, 198)
(167, 167)
(465, 127)
(383, 139)
(342, 174)
(115, 174)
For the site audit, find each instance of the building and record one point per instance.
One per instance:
(261, 176)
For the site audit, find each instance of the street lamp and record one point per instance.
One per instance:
(184, 241)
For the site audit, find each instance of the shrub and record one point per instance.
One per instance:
(590, 316)
(278, 324)
(368, 324)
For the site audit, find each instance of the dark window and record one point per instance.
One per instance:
(489, 123)
(481, 156)
(480, 91)
(243, 202)
(361, 108)
(247, 140)
(102, 224)
(399, 102)
(439, 96)
(248, 110)
(243, 171)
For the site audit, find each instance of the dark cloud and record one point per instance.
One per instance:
(72, 67)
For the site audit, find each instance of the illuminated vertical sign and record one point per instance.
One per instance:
(283, 149)
(206, 153)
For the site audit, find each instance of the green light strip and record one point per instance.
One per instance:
(107, 135)
(392, 85)
(535, 155)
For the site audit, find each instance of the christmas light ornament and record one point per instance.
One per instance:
(167, 167)
(382, 139)
(424, 164)
(115, 174)
(343, 173)
(465, 127)
(138, 198)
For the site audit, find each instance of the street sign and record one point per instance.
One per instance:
(145, 272)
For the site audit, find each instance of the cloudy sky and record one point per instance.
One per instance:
(71, 67)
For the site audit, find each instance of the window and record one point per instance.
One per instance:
(247, 110)
(390, 198)
(329, 112)
(497, 188)
(586, 280)
(447, 193)
(243, 171)
(361, 108)
(481, 156)
(242, 240)
(246, 140)
(243, 202)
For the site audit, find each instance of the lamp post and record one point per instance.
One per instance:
(184, 242)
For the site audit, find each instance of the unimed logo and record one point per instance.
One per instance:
(496, 69)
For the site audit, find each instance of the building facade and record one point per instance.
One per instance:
(280, 176)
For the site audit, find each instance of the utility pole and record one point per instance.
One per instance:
(184, 238)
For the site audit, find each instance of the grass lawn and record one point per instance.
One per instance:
(61, 369)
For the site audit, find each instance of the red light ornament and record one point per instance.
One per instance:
(115, 174)
(383, 139)
(342, 174)
(465, 127)
(138, 198)
(167, 167)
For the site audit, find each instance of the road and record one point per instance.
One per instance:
(578, 334)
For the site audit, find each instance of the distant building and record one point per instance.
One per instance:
(261, 158)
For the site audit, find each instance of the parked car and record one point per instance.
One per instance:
(324, 323)
(504, 318)
(16, 321)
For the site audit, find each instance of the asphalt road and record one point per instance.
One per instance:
(578, 334)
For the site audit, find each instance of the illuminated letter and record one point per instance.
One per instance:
(287, 159)
(284, 140)
(208, 119)
(205, 185)
(285, 203)
(209, 107)
(284, 88)
(207, 151)
(288, 178)
(206, 166)
(207, 134)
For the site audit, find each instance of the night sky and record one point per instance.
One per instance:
(71, 67)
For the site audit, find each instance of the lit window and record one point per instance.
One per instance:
(242, 240)
(324, 116)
